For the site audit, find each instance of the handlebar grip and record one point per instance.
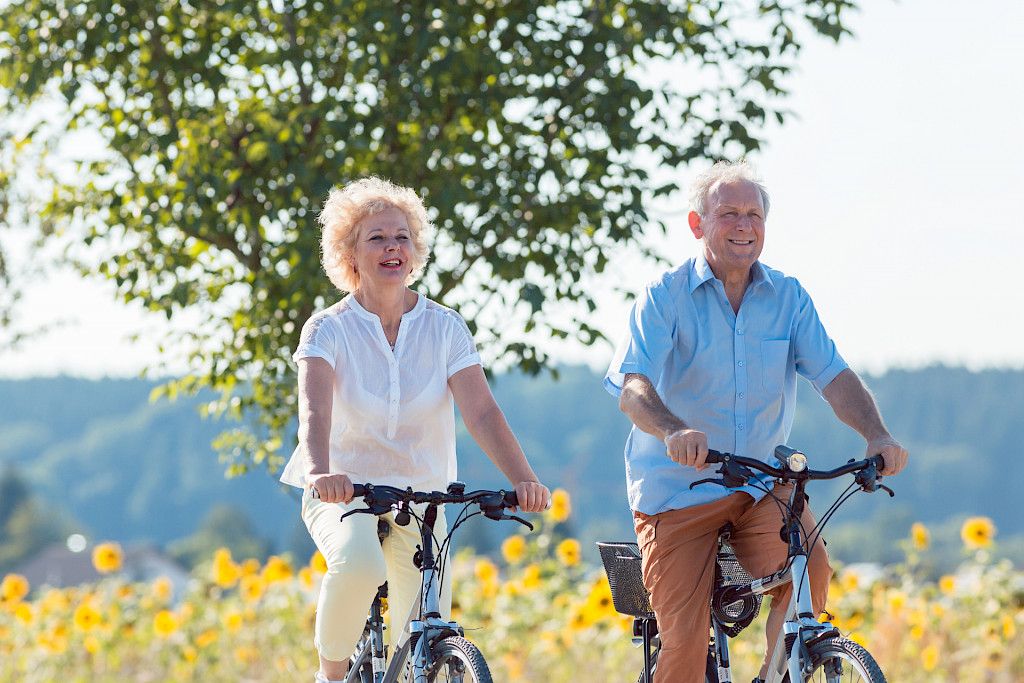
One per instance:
(511, 499)
(879, 461)
(714, 457)
(359, 490)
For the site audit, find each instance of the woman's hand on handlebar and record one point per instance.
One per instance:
(688, 447)
(894, 455)
(533, 496)
(332, 488)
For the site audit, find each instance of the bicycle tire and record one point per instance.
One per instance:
(456, 660)
(857, 664)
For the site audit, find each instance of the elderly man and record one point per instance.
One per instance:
(710, 360)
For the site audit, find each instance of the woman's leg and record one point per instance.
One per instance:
(355, 568)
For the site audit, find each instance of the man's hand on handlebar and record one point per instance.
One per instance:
(533, 496)
(892, 452)
(688, 447)
(332, 488)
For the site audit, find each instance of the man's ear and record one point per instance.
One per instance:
(693, 218)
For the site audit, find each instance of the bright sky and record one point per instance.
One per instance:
(895, 198)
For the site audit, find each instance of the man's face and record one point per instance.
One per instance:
(732, 227)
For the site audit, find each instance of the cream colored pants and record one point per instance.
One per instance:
(357, 563)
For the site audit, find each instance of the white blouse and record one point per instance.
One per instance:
(393, 417)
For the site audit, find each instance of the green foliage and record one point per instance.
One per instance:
(225, 526)
(529, 127)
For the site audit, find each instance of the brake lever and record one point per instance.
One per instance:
(518, 519)
(892, 494)
(708, 481)
(355, 512)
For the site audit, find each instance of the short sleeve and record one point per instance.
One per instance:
(317, 341)
(647, 343)
(461, 349)
(816, 356)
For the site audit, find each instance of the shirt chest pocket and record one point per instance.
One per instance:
(774, 363)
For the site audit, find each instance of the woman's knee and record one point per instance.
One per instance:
(366, 570)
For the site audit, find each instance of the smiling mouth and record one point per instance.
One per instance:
(391, 263)
(742, 243)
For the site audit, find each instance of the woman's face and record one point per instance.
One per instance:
(384, 249)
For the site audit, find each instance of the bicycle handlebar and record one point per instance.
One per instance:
(380, 499)
(735, 469)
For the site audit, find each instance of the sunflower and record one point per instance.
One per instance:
(252, 587)
(485, 570)
(919, 536)
(107, 557)
(513, 549)
(977, 532)
(13, 588)
(531, 577)
(929, 658)
(277, 569)
(568, 552)
(561, 505)
(86, 617)
(165, 623)
(317, 563)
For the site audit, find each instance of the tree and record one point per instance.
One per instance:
(529, 127)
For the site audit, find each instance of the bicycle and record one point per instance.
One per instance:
(437, 650)
(808, 649)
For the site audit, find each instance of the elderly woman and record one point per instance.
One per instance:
(378, 372)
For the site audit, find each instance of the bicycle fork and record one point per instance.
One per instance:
(790, 651)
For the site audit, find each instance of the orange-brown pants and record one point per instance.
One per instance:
(678, 548)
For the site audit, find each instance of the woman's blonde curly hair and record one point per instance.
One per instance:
(346, 206)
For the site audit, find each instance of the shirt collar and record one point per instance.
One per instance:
(353, 303)
(702, 273)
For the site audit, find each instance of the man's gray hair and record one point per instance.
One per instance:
(724, 172)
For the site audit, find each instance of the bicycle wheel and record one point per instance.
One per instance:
(710, 674)
(456, 660)
(838, 660)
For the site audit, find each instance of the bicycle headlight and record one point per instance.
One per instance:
(797, 462)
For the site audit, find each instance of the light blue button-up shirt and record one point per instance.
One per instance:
(730, 375)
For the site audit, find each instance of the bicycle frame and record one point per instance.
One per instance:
(421, 632)
(800, 620)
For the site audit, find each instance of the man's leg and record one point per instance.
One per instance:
(678, 550)
(761, 551)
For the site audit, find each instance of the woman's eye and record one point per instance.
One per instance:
(375, 237)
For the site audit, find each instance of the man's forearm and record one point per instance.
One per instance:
(641, 403)
(855, 406)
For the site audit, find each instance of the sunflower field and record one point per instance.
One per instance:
(542, 611)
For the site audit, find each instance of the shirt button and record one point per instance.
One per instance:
(740, 364)
(739, 331)
(740, 394)
(739, 427)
